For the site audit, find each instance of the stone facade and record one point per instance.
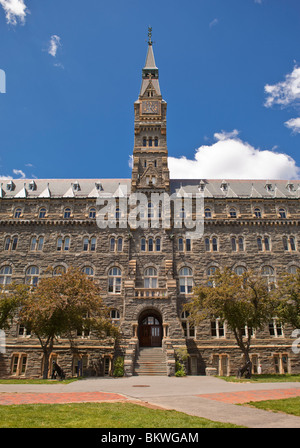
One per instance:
(146, 274)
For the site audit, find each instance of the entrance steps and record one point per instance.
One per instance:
(151, 361)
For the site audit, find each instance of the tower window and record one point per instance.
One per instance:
(156, 141)
(150, 141)
(144, 142)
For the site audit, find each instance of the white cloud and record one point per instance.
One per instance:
(231, 158)
(294, 124)
(19, 173)
(14, 10)
(214, 22)
(53, 45)
(284, 93)
(3, 177)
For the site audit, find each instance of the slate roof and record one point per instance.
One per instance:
(92, 188)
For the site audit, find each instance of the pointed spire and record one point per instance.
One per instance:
(150, 71)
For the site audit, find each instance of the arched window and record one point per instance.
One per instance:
(144, 142)
(18, 213)
(232, 213)
(156, 141)
(11, 243)
(292, 269)
(241, 244)
(92, 213)
(157, 244)
(207, 244)
(42, 213)
(112, 244)
(59, 270)
(5, 275)
(32, 276)
(63, 243)
(285, 243)
(282, 213)
(150, 141)
(269, 274)
(215, 244)
(240, 270)
(259, 244)
(87, 270)
(233, 244)
(207, 213)
(37, 243)
(114, 280)
(120, 245)
(143, 244)
(118, 213)
(267, 243)
(67, 213)
(150, 278)
(85, 244)
(150, 245)
(292, 243)
(257, 212)
(186, 280)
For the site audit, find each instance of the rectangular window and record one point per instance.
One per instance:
(188, 245)
(93, 244)
(40, 244)
(14, 243)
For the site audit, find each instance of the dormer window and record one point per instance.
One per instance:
(268, 187)
(290, 187)
(98, 186)
(10, 186)
(76, 186)
(224, 186)
(32, 185)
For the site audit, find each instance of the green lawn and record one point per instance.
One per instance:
(98, 415)
(262, 378)
(286, 405)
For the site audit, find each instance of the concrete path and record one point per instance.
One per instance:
(207, 397)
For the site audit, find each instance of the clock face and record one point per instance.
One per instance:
(150, 107)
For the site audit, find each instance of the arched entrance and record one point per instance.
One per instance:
(150, 330)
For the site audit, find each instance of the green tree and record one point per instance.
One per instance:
(11, 299)
(62, 305)
(288, 295)
(240, 300)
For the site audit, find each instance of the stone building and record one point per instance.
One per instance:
(147, 272)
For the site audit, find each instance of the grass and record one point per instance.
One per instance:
(264, 378)
(286, 405)
(99, 415)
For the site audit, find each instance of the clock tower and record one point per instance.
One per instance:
(150, 154)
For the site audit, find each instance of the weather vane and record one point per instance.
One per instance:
(150, 35)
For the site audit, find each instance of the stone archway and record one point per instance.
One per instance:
(150, 330)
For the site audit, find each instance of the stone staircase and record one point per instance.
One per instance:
(150, 361)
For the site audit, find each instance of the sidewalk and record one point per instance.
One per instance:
(206, 397)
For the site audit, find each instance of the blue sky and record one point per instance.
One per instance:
(228, 71)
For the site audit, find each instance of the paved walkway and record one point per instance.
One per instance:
(206, 397)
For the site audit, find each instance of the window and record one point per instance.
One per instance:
(292, 243)
(19, 363)
(11, 243)
(292, 269)
(207, 213)
(89, 244)
(37, 243)
(5, 275)
(23, 331)
(150, 210)
(150, 245)
(67, 213)
(240, 270)
(112, 244)
(257, 212)
(285, 243)
(150, 278)
(241, 244)
(211, 272)
(188, 327)
(157, 244)
(269, 274)
(114, 280)
(267, 243)
(207, 244)
(120, 245)
(259, 244)
(186, 281)
(233, 244)
(32, 276)
(275, 328)
(214, 244)
(232, 213)
(63, 244)
(143, 244)
(282, 213)
(18, 213)
(150, 141)
(217, 328)
(156, 141)
(115, 317)
(92, 213)
(87, 270)
(188, 245)
(59, 270)
(144, 142)
(180, 244)
(184, 244)
(42, 213)
(117, 213)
